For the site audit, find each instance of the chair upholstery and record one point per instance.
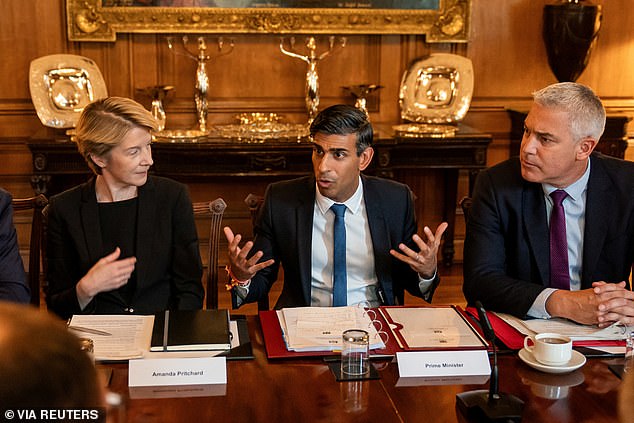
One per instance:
(36, 204)
(215, 209)
(254, 202)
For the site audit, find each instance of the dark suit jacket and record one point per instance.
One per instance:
(506, 256)
(284, 230)
(168, 267)
(13, 285)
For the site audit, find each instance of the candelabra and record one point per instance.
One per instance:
(312, 58)
(202, 79)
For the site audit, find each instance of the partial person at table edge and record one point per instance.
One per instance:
(297, 228)
(551, 233)
(125, 241)
(43, 366)
(13, 286)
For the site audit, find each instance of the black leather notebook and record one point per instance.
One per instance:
(196, 330)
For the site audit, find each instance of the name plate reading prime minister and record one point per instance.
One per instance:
(443, 363)
(177, 371)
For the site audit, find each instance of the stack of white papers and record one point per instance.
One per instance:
(115, 337)
(321, 328)
(440, 328)
(573, 330)
(125, 337)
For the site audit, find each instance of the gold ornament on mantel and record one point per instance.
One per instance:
(157, 93)
(360, 93)
(202, 80)
(435, 94)
(312, 59)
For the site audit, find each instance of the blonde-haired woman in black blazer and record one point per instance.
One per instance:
(125, 241)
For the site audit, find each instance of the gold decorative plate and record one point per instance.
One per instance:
(62, 85)
(437, 89)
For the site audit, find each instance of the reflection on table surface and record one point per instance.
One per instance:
(304, 390)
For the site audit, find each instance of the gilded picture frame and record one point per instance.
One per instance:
(96, 20)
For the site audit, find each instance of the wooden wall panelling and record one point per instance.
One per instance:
(361, 65)
(113, 60)
(17, 117)
(494, 121)
(16, 163)
(507, 50)
(609, 70)
(21, 43)
(144, 56)
(389, 78)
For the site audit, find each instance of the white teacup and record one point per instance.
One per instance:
(551, 349)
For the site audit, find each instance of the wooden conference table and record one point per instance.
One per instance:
(305, 390)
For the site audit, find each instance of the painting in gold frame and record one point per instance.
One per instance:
(101, 20)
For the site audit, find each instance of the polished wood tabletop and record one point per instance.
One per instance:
(305, 390)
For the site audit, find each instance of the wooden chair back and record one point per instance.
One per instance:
(215, 210)
(36, 205)
(465, 205)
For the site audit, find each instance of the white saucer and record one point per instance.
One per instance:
(577, 360)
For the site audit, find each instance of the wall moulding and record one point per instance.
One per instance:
(438, 20)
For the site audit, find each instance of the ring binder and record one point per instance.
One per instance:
(374, 321)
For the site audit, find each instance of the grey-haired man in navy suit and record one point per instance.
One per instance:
(508, 262)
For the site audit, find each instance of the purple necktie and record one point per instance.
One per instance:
(559, 273)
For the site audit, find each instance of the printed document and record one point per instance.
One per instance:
(431, 328)
(123, 337)
(574, 331)
(321, 328)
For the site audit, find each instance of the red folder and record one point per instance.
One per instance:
(395, 329)
(276, 347)
(514, 339)
(274, 340)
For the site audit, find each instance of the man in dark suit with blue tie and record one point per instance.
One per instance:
(343, 238)
(551, 233)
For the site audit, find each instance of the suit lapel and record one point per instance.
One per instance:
(378, 230)
(89, 213)
(304, 226)
(536, 228)
(598, 207)
(146, 220)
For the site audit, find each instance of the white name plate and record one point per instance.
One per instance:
(443, 363)
(177, 371)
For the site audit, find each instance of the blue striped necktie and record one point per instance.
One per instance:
(339, 279)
